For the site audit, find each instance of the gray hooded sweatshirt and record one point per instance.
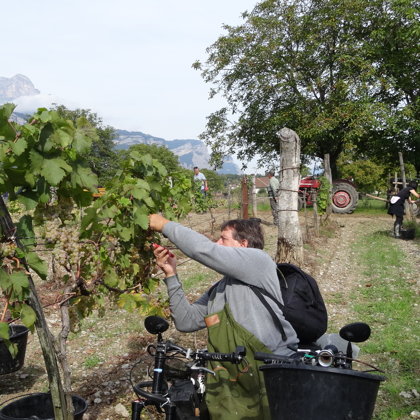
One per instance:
(251, 266)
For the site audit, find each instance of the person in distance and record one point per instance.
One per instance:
(397, 202)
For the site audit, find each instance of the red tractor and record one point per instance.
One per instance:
(344, 194)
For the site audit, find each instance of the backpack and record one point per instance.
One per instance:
(303, 305)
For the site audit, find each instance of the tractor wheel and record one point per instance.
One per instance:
(344, 198)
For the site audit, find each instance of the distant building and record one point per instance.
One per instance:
(261, 183)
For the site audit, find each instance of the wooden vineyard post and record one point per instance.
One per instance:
(289, 241)
(244, 201)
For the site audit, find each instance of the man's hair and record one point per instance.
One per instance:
(195, 167)
(246, 229)
(413, 184)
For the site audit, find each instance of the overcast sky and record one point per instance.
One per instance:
(128, 60)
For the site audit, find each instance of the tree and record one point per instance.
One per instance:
(161, 153)
(304, 64)
(368, 175)
(393, 46)
(103, 159)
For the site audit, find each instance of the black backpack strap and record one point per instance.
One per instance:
(260, 293)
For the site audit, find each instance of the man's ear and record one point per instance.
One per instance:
(244, 243)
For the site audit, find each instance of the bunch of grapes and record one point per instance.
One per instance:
(7, 249)
(69, 253)
(52, 231)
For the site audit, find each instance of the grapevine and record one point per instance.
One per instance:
(98, 249)
(323, 198)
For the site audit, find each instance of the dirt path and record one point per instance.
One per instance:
(102, 355)
(337, 270)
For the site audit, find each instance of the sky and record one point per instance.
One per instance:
(130, 61)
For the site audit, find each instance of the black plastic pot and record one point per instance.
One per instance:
(297, 392)
(39, 406)
(19, 336)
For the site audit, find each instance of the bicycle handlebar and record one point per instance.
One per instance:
(235, 357)
(269, 357)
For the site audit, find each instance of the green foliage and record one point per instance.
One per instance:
(216, 182)
(318, 68)
(48, 156)
(202, 203)
(368, 175)
(99, 248)
(393, 46)
(102, 158)
(410, 171)
(323, 198)
(117, 223)
(161, 153)
(305, 171)
(37, 159)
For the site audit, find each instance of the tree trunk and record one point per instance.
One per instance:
(289, 242)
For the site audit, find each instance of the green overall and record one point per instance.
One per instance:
(236, 391)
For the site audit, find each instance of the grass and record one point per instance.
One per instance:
(370, 206)
(92, 361)
(388, 304)
(263, 205)
(195, 280)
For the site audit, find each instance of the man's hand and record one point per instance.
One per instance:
(157, 222)
(165, 260)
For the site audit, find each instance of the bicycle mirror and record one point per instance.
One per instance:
(355, 332)
(155, 324)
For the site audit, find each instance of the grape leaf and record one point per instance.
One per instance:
(54, 170)
(19, 147)
(27, 315)
(37, 264)
(4, 330)
(20, 283)
(141, 217)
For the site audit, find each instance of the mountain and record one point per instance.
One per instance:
(16, 86)
(190, 152)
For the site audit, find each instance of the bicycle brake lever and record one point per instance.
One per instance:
(195, 367)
